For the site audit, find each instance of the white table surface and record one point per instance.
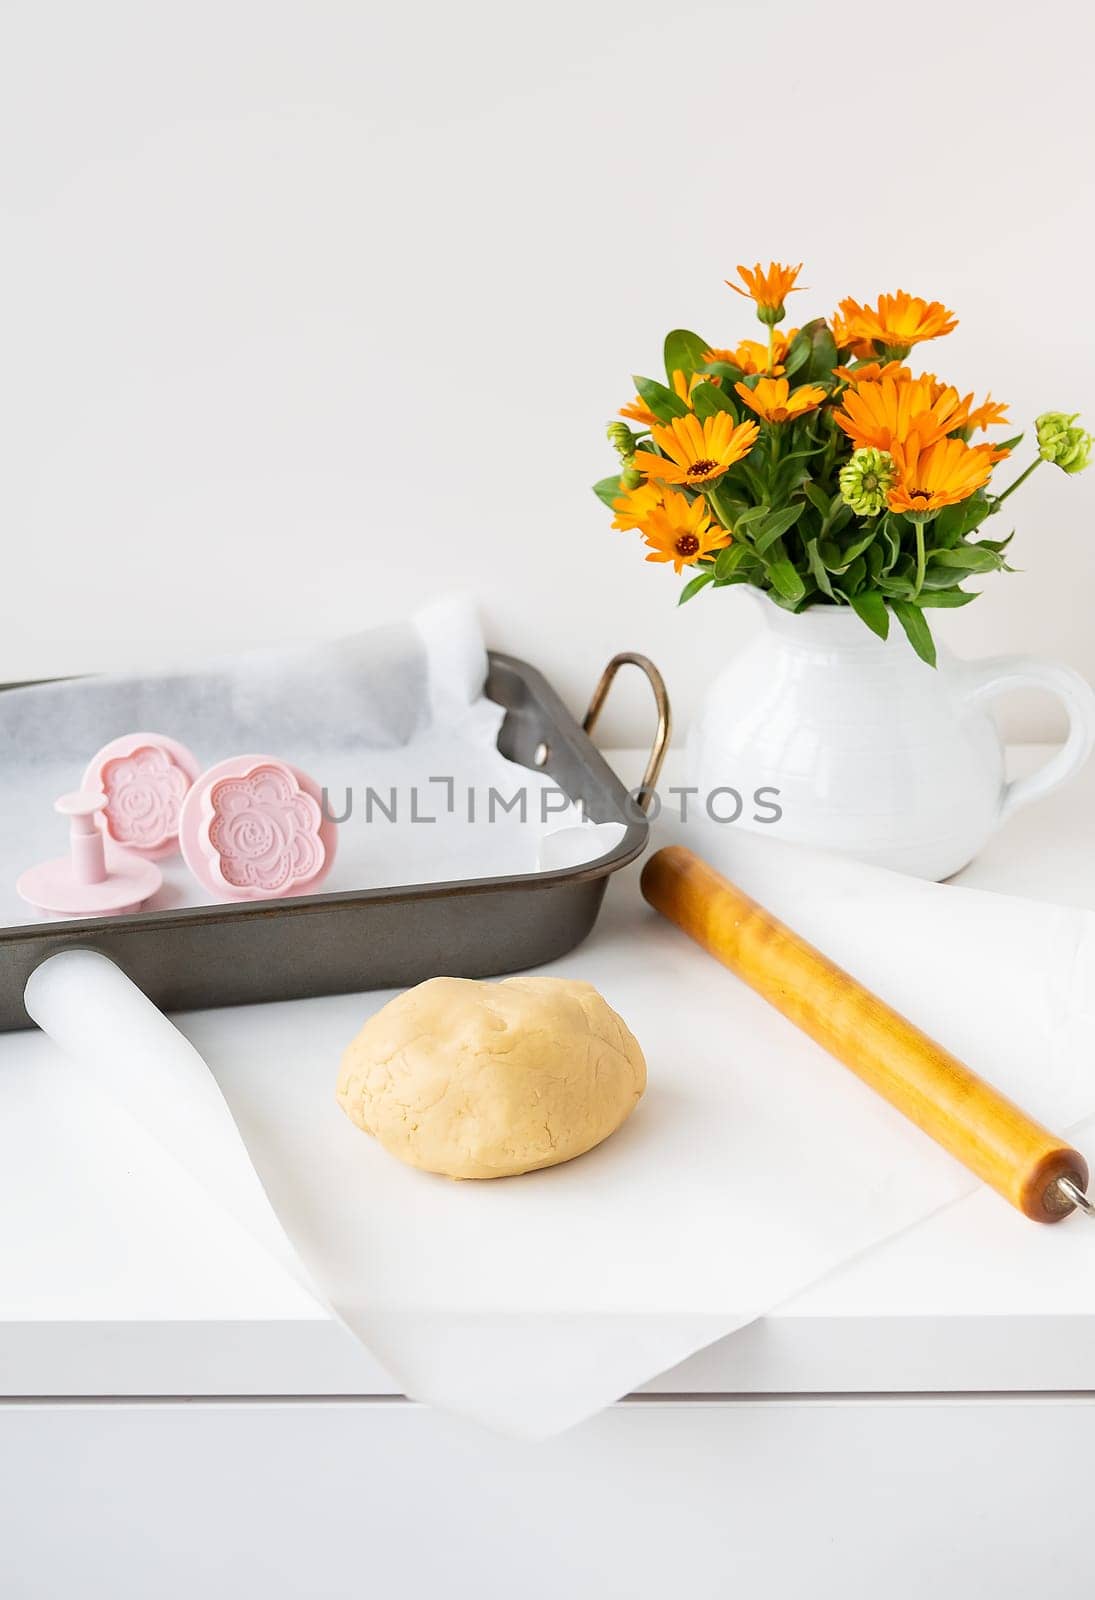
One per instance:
(113, 1283)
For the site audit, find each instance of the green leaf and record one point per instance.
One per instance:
(684, 352)
(748, 517)
(954, 522)
(727, 561)
(726, 371)
(945, 597)
(889, 533)
(707, 399)
(838, 560)
(1010, 444)
(817, 498)
(782, 575)
(662, 401)
(801, 455)
(797, 356)
(999, 545)
(857, 546)
(967, 558)
(799, 351)
(776, 524)
(821, 353)
(788, 481)
(748, 570)
(726, 503)
(896, 588)
(700, 581)
(830, 553)
(791, 476)
(752, 480)
(870, 608)
(916, 628)
(817, 569)
(850, 581)
(608, 489)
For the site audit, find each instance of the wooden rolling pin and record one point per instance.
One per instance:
(1029, 1166)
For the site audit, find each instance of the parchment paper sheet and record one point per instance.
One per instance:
(390, 709)
(754, 1166)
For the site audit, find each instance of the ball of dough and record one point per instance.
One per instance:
(485, 1080)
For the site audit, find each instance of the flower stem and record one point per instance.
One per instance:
(1023, 476)
(921, 557)
(771, 346)
(714, 495)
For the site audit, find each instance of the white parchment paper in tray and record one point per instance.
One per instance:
(754, 1165)
(399, 710)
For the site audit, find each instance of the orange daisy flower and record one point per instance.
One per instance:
(940, 475)
(774, 401)
(898, 321)
(697, 451)
(634, 507)
(845, 339)
(871, 372)
(938, 387)
(987, 414)
(752, 356)
(682, 532)
(684, 383)
(892, 410)
(639, 412)
(767, 287)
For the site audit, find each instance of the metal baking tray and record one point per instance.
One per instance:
(237, 954)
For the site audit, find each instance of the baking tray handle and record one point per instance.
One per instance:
(661, 700)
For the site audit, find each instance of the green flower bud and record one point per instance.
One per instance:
(630, 478)
(1061, 442)
(622, 440)
(866, 480)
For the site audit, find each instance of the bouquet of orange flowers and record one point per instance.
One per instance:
(814, 465)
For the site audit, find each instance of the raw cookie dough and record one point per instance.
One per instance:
(485, 1080)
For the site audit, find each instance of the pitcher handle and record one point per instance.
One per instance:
(984, 680)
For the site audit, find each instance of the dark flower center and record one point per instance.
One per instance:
(687, 544)
(919, 494)
(700, 469)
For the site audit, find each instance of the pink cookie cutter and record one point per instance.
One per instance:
(145, 778)
(254, 828)
(90, 881)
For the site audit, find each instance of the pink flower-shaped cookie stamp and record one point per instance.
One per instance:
(253, 828)
(145, 778)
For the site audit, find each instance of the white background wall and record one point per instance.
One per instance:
(315, 310)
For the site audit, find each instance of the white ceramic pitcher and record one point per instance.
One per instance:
(872, 752)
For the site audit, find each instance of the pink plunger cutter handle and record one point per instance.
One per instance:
(86, 882)
(87, 850)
